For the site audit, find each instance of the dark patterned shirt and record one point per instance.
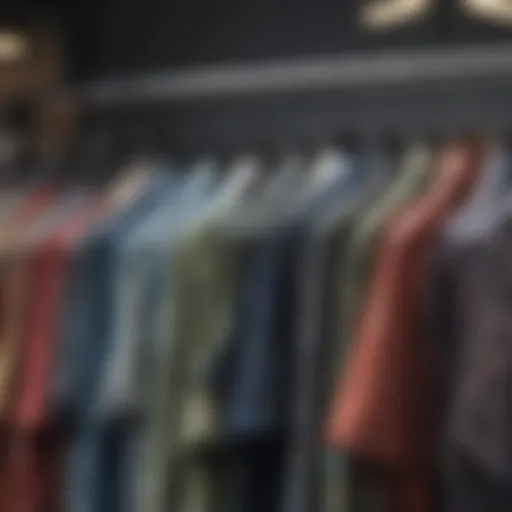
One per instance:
(471, 321)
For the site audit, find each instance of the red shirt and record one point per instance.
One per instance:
(14, 286)
(34, 464)
(382, 409)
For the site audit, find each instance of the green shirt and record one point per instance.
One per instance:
(184, 415)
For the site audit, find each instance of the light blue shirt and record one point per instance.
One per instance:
(140, 278)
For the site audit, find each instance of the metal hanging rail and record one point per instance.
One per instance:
(350, 72)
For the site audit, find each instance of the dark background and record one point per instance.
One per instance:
(114, 37)
(111, 38)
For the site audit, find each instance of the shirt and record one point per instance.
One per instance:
(469, 328)
(321, 258)
(95, 454)
(383, 405)
(35, 464)
(259, 404)
(353, 280)
(183, 414)
(14, 284)
(473, 407)
(141, 292)
(199, 308)
(15, 217)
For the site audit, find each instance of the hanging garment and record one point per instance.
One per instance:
(382, 410)
(94, 457)
(14, 282)
(205, 269)
(37, 441)
(107, 206)
(469, 332)
(146, 249)
(140, 288)
(15, 288)
(411, 180)
(322, 256)
(183, 416)
(259, 401)
(202, 269)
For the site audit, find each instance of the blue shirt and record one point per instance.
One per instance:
(90, 484)
(258, 401)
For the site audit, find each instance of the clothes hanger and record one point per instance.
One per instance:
(331, 164)
(327, 168)
(240, 176)
(373, 171)
(289, 174)
(280, 173)
(269, 154)
(257, 204)
(407, 167)
(267, 204)
(129, 169)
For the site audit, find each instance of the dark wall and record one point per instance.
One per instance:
(113, 37)
(130, 35)
(136, 36)
(183, 32)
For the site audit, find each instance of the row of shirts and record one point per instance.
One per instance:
(57, 249)
(237, 341)
(423, 394)
(110, 300)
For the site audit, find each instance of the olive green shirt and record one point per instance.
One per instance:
(184, 414)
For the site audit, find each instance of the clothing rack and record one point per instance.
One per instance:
(413, 92)
(296, 75)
